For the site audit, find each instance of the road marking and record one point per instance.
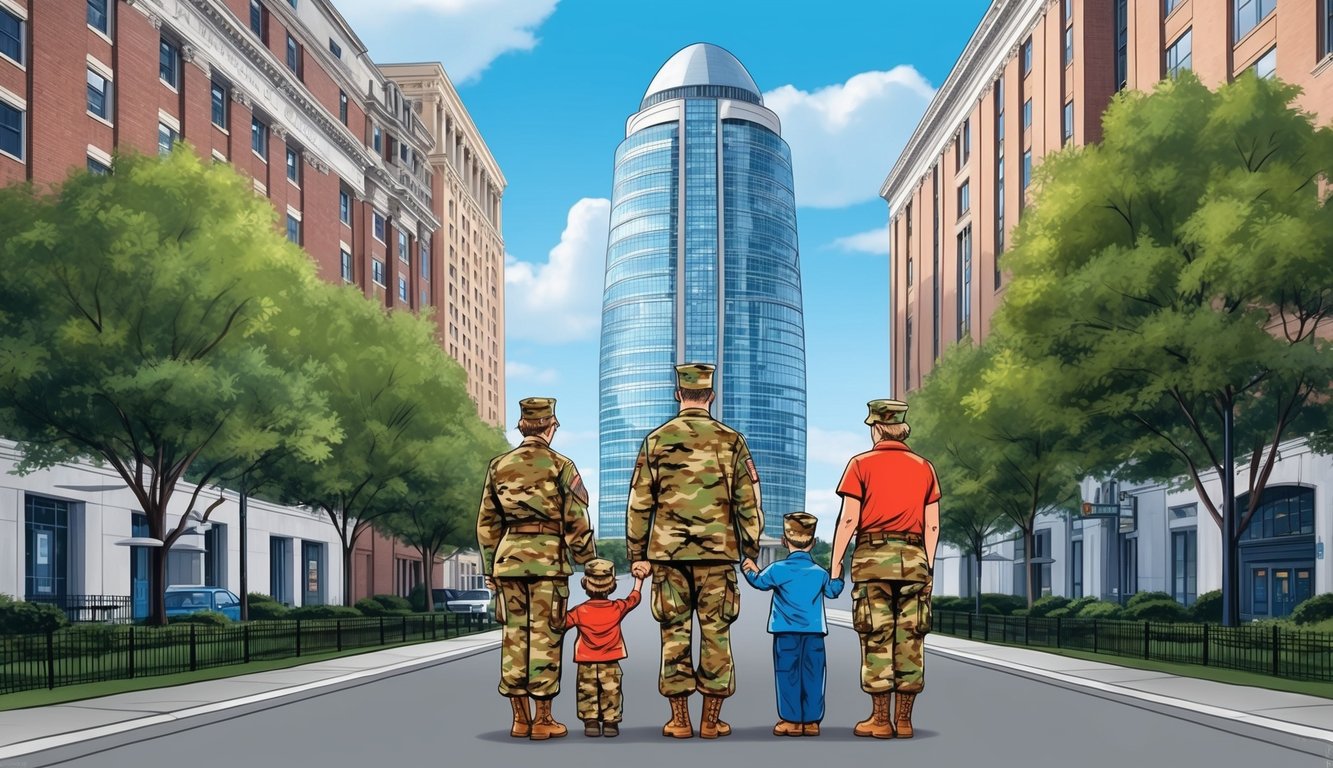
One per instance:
(18, 749)
(1295, 729)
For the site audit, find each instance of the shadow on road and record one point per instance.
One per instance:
(653, 735)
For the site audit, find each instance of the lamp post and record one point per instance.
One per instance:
(245, 551)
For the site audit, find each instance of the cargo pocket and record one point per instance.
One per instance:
(731, 601)
(559, 603)
(861, 610)
(924, 614)
(667, 604)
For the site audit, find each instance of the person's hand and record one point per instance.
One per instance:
(490, 583)
(749, 566)
(836, 571)
(641, 569)
(638, 583)
(925, 591)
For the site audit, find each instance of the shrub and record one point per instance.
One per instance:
(1020, 612)
(1158, 610)
(1140, 598)
(1002, 604)
(1208, 607)
(208, 618)
(23, 618)
(1314, 610)
(268, 611)
(393, 602)
(95, 638)
(255, 598)
(1079, 604)
(416, 599)
(1045, 605)
(950, 603)
(324, 612)
(1059, 613)
(1100, 610)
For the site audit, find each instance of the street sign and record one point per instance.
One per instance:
(1100, 510)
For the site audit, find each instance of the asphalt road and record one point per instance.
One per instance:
(451, 715)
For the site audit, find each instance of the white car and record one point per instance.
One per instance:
(469, 601)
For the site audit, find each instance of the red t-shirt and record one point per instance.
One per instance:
(894, 486)
(599, 628)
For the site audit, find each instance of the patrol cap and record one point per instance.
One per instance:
(600, 575)
(695, 376)
(799, 525)
(537, 408)
(886, 412)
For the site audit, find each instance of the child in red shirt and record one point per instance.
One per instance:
(600, 648)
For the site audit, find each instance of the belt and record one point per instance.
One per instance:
(883, 537)
(549, 528)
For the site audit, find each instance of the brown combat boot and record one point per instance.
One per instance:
(610, 730)
(679, 726)
(711, 726)
(904, 724)
(810, 729)
(543, 725)
(879, 725)
(592, 728)
(522, 719)
(787, 728)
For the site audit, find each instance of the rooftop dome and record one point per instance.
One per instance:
(702, 64)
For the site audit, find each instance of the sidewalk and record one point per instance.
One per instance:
(25, 731)
(1287, 719)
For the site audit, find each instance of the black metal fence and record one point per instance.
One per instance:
(1268, 650)
(88, 608)
(96, 653)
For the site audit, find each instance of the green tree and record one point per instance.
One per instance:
(1176, 277)
(134, 323)
(614, 550)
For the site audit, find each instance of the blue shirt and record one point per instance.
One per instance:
(799, 587)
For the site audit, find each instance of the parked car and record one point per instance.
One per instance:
(469, 601)
(185, 600)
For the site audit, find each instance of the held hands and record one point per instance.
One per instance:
(748, 565)
(638, 583)
(640, 569)
(490, 584)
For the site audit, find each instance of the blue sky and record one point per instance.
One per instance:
(550, 85)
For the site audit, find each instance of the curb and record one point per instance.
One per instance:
(1303, 738)
(255, 702)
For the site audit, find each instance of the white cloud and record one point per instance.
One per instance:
(517, 371)
(875, 241)
(833, 447)
(845, 138)
(466, 35)
(561, 300)
(825, 505)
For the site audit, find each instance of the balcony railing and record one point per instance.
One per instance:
(89, 608)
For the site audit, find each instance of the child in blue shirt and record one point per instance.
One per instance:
(797, 624)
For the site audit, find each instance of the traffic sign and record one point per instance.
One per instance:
(1100, 510)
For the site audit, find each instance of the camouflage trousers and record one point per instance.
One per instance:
(599, 692)
(534, 620)
(681, 590)
(892, 619)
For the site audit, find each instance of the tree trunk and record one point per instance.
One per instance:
(157, 586)
(429, 573)
(1027, 563)
(347, 571)
(977, 546)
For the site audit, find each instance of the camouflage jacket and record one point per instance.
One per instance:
(694, 494)
(530, 487)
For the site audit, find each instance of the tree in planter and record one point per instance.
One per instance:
(134, 320)
(1172, 288)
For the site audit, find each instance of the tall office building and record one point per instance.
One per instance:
(702, 266)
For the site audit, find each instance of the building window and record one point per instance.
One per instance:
(1027, 114)
(404, 255)
(1027, 169)
(423, 255)
(169, 63)
(936, 285)
(99, 95)
(909, 272)
(292, 3)
(402, 288)
(379, 226)
(98, 17)
(999, 217)
(1184, 566)
(166, 138)
(293, 229)
(98, 168)
(259, 138)
(1179, 56)
(342, 107)
(345, 258)
(1171, 5)
(293, 56)
(1249, 13)
(1266, 66)
(1328, 27)
(220, 104)
(258, 20)
(965, 142)
(965, 282)
(1121, 44)
(1027, 56)
(46, 527)
(335, 49)
(964, 198)
(293, 166)
(376, 139)
(1285, 511)
(344, 207)
(1076, 568)
(11, 36)
(1069, 46)
(377, 272)
(907, 357)
(1067, 127)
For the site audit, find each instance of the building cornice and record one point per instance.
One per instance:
(992, 46)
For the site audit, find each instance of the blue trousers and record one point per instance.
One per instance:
(798, 671)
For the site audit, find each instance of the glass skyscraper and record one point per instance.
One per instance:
(702, 266)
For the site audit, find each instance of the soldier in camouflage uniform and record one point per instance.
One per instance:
(890, 503)
(694, 512)
(533, 517)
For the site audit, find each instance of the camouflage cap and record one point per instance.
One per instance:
(799, 525)
(600, 574)
(695, 376)
(537, 408)
(886, 412)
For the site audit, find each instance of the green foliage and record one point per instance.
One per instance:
(1020, 612)
(24, 618)
(1060, 613)
(96, 638)
(324, 612)
(1100, 609)
(255, 598)
(994, 602)
(416, 598)
(951, 603)
(1317, 609)
(209, 618)
(1157, 610)
(614, 550)
(383, 605)
(1207, 608)
(1139, 598)
(393, 602)
(267, 611)
(1079, 604)
(1045, 605)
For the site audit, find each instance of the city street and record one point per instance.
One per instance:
(450, 714)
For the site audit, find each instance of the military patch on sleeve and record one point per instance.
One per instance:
(578, 490)
(749, 467)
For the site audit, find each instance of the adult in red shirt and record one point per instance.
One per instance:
(890, 504)
(600, 647)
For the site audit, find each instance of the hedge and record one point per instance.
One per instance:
(1316, 609)
(22, 618)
